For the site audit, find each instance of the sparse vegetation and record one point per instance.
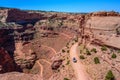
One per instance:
(63, 50)
(72, 43)
(67, 45)
(94, 50)
(66, 79)
(104, 48)
(58, 70)
(96, 60)
(82, 57)
(109, 76)
(68, 51)
(113, 55)
(88, 52)
(68, 62)
(118, 51)
(76, 39)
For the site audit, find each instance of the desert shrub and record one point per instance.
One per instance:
(88, 52)
(76, 39)
(104, 48)
(109, 76)
(67, 45)
(63, 50)
(68, 51)
(82, 57)
(94, 50)
(118, 31)
(118, 51)
(66, 79)
(60, 24)
(96, 60)
(72, 43)
(68, 62)
(113, 55)
(58, 70)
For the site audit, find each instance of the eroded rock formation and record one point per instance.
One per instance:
(7, 64)
(14, 48)
(56, 64)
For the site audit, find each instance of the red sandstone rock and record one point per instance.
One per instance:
(6, 62)
(56, 64)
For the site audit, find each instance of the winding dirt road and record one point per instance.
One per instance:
(46, 61)
(41, 73)
(78, 67)
(50, 48)
(66, 35)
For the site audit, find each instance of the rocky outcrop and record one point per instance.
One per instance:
(3, 15)
(18, 16)
(19, 76)
(6, 62)
(56, 64)
(106, 25)
(9, 37)
(112, 13)
(24, 56)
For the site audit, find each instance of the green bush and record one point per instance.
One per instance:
(72, 43)
(68, 51)
(96, 60)
(109, 76)
(76, 39)
(58, 70)
(118, 51)
(67, 45)
(104, 48)
(66, 79)
(63, 50)
(88, 52)
(82, 57)
(94, 50)
(113, 55)
(68, 62)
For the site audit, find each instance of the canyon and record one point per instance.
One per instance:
(37, 45)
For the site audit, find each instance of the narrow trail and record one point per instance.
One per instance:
(41, 73)
(46, 61)
(78, 67)
(50, 48)
(47, 47)
(66, 35)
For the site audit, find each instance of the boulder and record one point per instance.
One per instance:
(56, 64)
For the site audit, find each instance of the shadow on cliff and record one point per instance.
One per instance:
(23, 17)
(7, 47)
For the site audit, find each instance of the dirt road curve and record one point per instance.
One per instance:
(41, 73)
(66, 35)
(50, 48)
(78, 67)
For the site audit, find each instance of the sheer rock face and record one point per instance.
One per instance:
(24, 56)
(14, 15)
(3, 15)
(6, 62)
(19, 76)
